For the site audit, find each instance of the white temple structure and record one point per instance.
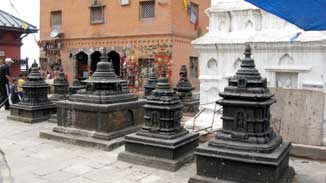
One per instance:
(297, 65)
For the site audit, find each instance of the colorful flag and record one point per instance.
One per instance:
(185, 4)
(193, 17)
(25, 26)
(196, 25)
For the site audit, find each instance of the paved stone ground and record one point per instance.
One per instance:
(35, 160)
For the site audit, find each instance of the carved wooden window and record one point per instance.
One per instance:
(147, 9)
(56, 18)
(97, 14)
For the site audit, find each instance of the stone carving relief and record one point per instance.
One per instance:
(155, 119)
(240, 120)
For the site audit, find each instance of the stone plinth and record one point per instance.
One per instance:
(184, 90)
(99, 115)
(246, 150)
(162, 142)
(35, 105)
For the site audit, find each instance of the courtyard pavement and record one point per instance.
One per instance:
(36, 160)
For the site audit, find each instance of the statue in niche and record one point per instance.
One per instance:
(177, 117)
(240, 122)
(155, 120)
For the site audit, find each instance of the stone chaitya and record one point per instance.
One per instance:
(151, 83)
(246, 150)
(76, 85)
(184, 90)
(60, 85)
(162, 142)
(35, 105)
(101, 114)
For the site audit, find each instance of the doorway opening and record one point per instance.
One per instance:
(82, 65)
(115, 59)
(95, 59)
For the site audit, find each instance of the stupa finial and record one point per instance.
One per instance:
(104, 57)
(247, 52)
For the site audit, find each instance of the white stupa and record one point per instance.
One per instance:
(232, 24)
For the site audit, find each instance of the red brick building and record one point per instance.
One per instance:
(138, 34)
(12, 31)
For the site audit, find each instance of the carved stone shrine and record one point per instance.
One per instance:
(100, 115)
(76, 85)
(151, 83)
(162, 142)
(184, 90)
(246, 150)
(60, 85)
(35, 105)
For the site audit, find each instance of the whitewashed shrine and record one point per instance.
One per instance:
(299, 65)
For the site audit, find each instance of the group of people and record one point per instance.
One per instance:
(11, 90)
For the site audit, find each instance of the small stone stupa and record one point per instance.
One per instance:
(76, 86)
(35, 105)
(100, 115)
(246, 150)
(162, 142)
(60, 85)
(151, 83)
(184, 90)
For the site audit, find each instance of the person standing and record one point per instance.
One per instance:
(4, 81)
(20, 83)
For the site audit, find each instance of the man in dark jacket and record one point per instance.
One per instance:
(4, 82)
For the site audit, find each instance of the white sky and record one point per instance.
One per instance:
(29, 11)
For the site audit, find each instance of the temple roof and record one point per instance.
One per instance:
(10, 22)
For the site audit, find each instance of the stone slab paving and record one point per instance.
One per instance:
(36, 160)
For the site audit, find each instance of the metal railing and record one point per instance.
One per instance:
(219, 110)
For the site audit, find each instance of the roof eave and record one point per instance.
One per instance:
(20, 30)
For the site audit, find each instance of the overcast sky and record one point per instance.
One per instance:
(29, 11)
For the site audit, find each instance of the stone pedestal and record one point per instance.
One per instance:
(35, 105)
(99, 115)
(162, 142)
(184, 90)
(246, 150)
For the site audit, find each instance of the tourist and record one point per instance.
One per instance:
(4, 81)
(14, 97)
(20, 83)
